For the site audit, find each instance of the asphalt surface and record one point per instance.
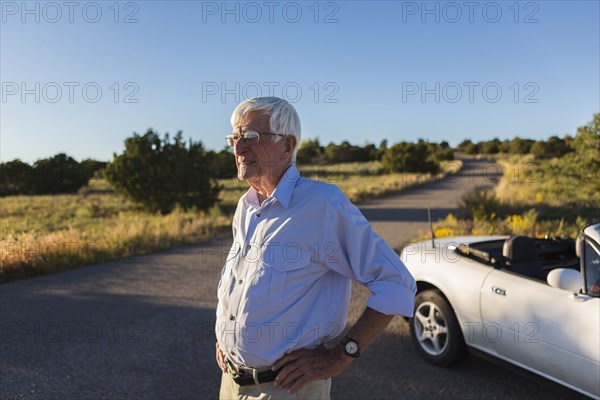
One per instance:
(142, 328)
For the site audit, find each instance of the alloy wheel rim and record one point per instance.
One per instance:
(431, 328)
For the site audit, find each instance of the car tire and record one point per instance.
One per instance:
(435, 329)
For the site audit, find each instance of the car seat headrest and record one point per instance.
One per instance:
(519, 249)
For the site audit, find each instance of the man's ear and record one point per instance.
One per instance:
(290, 144)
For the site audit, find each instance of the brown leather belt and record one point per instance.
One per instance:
(249, 376)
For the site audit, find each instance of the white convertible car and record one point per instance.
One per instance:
(532, 302)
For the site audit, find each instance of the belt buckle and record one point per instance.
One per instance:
(235, 372)
(237, 377)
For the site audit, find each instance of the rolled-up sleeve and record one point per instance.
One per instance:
(364, 256)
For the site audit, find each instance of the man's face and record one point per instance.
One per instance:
(263, 162)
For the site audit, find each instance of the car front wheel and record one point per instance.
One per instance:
(435, 329)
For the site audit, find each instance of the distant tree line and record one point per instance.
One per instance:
(63, 174)
(541, 149)
(57, 174)
(160, 173)
(311, 151)
(422, 156)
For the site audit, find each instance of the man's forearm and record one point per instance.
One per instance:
(370, 324)
(302, 366)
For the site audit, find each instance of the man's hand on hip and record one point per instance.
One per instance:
(303, 366)
(221, 359)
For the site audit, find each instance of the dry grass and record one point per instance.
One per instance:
(526, 224)
(45, 234)
(533, 198)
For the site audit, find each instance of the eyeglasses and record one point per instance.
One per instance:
(249, 137)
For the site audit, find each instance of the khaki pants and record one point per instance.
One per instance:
(316, 390)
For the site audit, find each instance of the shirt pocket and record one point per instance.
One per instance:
(286, 273)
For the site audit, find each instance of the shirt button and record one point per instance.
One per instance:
(258, 214)
(231, 317)
(240, 281)
(232, 353)
(248, 247)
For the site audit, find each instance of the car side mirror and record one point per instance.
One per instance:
(565, 279)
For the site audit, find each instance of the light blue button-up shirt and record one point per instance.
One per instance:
(286, 283)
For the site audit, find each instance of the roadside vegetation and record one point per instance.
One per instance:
(45, 234)
(553, 193)
(42, 234)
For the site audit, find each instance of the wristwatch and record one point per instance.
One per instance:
(351, 347)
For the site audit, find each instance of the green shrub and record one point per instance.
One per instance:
(160, 174)
(15, 178)
(57, 174)
(346, 152)
(310, 151)
(413, 157)
(481, 204)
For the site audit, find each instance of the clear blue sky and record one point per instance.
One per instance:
(361, 67)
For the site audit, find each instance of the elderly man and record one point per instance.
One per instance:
(285, 287)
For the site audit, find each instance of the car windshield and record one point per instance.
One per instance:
(592, 268)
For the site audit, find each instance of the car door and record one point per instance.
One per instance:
(544, 329)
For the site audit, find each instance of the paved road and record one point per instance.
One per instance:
(143, 328)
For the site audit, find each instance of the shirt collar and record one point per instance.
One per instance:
(283, 191)
(286, 185)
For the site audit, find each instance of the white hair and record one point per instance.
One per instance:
(283, 117)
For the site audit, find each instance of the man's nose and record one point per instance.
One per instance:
(239, 147)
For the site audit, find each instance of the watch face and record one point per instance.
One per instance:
(351, 347)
